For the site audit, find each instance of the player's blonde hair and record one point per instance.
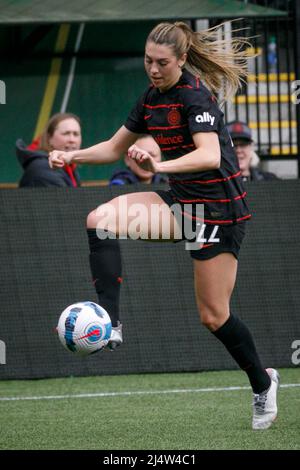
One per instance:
(209, 55)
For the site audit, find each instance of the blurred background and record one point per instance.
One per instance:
(86, 57)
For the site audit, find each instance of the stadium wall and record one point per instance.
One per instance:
(44, 268)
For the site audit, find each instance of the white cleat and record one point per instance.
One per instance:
(116, 337)
(265, 405)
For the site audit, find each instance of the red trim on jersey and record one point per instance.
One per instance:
(184, 86)
(207, 245)
(197, 82)
(241, 196)
(217, 180)
(160, 128)
(216, 222)
(177, 147)
(244, 218)
(175, 105)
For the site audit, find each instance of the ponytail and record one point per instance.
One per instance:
(219, 62)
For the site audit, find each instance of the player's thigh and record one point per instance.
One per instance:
(214, 281)
(141, 215)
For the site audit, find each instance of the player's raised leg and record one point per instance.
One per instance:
(139, 216)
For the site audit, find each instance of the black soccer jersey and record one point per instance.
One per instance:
(172, 118)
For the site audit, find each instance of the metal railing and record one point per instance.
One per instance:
(266, 102)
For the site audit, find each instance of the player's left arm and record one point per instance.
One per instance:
(206, 156)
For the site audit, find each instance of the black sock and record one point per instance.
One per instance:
(237, 339)
(106, 267)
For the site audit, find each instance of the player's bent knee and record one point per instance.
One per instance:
(212, 324)
(91, 220)
(213, 318)
(103, 218)
(207, 319)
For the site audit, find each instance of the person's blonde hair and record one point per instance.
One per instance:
(51, 126)
(209, 56)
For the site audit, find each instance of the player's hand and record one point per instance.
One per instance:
(143, 159)
(58, 158)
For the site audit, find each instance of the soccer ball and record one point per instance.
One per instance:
(84, 328)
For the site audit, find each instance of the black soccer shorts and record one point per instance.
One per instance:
(205, 241)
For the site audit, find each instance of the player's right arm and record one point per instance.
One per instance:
(108, 151)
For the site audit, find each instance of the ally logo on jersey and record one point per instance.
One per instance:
(205, 117)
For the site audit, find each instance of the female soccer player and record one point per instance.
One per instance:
(179, 109)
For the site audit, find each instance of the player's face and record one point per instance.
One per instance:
(162, 66)
(67, 136)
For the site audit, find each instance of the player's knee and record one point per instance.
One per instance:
(212, 315)
(105, 217)
(91, 220)
(209, 322)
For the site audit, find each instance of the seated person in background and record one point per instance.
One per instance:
(135, 174)
(248, 159)
(62, 132)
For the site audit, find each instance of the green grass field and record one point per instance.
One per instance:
(149, 412)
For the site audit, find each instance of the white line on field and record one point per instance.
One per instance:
(135, 393)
